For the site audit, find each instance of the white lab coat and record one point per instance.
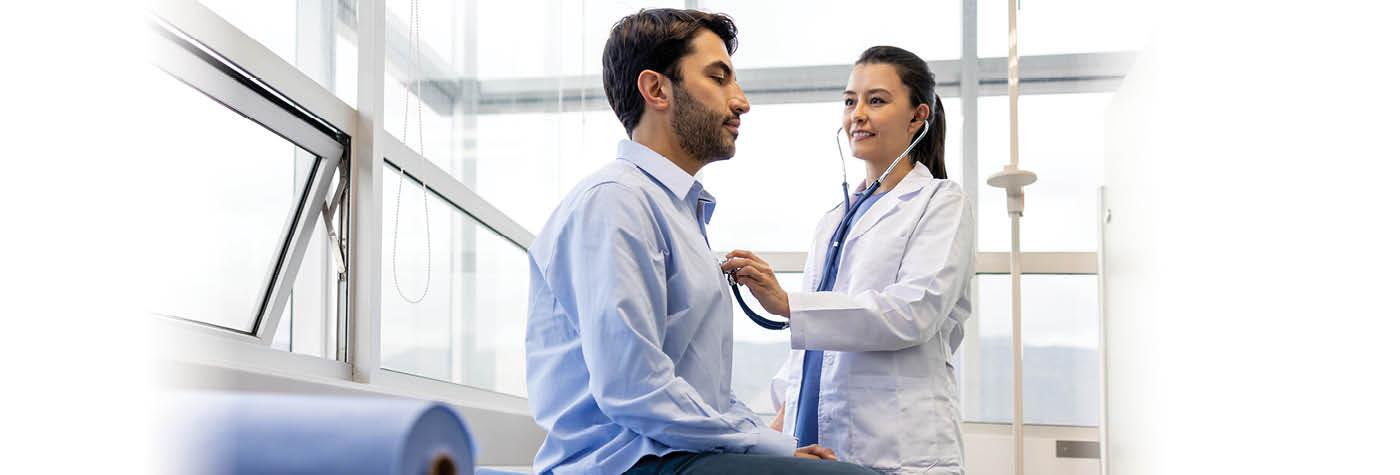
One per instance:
(889, 328)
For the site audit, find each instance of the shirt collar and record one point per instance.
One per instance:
(680, 184)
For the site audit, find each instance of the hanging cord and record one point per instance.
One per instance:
(415, 43)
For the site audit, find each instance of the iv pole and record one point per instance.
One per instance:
(1013, 179)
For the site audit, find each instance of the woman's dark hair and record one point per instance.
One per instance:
(654, 39)
(915, 75)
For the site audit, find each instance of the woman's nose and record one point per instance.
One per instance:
(858, 116)
(858, 113)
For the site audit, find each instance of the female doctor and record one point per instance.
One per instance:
(879, 315)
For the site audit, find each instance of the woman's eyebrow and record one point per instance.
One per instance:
(870, 91)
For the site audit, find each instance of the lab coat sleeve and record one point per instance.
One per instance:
(934, 273)
(615, 268)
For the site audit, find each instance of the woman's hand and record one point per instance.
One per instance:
(815, 451)
(778, 419)
(755, 273)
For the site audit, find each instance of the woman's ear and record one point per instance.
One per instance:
(921, 114)
(655, 88)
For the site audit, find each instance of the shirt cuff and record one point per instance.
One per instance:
(771, 442)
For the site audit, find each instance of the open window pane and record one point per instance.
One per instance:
(231, 189)
(1060, 337)
(310, 323)
(454, 293)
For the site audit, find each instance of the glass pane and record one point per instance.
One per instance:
(546, 152)
(1062, 26)
(305, 33)
(565, 38)
(231, 187)
(540, 144)
(759, 353)
(785, 175)
(1062, 140)
(1060, 337)
(454, 294)
(310, 326)
(832, 32)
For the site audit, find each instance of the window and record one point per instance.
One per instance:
(250, 173)
(508, 126)
(1060, 341)
(310, 323)
(1061, 27)
(759, 353)
(306, 33)
(768, 30)
(454, 293)
(1062, 142)
(227, 207)
(535, 158)
(785, 175)
(567, 38)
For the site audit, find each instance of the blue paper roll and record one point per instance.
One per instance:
(242, 433)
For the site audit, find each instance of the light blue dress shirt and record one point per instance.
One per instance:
(630, 334)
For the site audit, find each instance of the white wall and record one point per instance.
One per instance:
(1249, 263)
(988, 450)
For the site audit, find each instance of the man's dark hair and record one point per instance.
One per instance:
(654, 39)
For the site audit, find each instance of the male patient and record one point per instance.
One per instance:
(630, 328)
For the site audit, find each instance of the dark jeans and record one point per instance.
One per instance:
(733, 464)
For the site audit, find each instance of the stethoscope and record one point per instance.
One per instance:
(838, 239)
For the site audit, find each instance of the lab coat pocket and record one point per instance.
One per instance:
(875, 423)
(931, 437)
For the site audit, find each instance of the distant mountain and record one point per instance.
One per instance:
(1061, 384)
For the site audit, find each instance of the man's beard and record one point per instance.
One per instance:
(701, 131)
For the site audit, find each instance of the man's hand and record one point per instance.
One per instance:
(755, 273)
(815, 451)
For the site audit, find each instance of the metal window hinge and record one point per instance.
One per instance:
(327, 211)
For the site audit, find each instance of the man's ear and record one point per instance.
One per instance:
(655, 88)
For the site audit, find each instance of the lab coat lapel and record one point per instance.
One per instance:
(908, 187)
(816, 257)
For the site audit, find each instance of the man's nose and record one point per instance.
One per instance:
(739, 105)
